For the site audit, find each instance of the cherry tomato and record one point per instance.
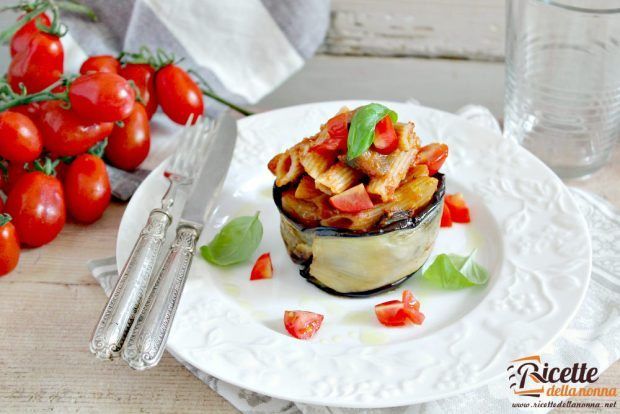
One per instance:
(37, 206)
(1, 203)
(20, 138)
(9, 245)
(102, 97)
(263, 269)
(143, 76)
(178, 94)
(87, 188)
(31, 110)
(14, 171)
(391, 313)
(21, 39)
(37, 66)
(446, 218)
(100, 63)
(338, 130)
(65, 133)
(459, 211)
(353, 200)
(129, 145)
(302, 324)
(386, 140)
(433, 156)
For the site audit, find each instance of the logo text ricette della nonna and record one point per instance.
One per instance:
(531, 377)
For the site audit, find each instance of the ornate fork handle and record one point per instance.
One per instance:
(119, 313)
(147, 337)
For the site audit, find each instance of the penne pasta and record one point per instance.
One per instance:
(415, 171)
(384, 186)
(286, 167)
(358, 221)
(413, 195)
(315, 164)
(338, 178)
(306, 190)
(304, 212)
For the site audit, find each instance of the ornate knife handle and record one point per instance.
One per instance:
(147, 337)
(119, 313)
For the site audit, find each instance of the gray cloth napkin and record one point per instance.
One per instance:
(592, 337)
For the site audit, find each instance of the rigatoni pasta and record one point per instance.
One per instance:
(322, 184)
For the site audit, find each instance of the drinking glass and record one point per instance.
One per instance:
(563, 81)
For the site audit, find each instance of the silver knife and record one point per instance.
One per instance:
(147, 337)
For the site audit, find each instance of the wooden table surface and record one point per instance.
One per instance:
(49, 305)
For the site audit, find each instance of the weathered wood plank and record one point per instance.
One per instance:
(471, 29)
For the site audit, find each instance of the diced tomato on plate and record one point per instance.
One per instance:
(302, 324)
(397, 312)
(459, 211)
(446, 218)
(263, 269)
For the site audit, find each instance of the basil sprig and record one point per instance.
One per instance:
(235, 243)
(362, 129)
(451, 271)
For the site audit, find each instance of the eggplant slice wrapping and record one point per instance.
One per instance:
(360, 264)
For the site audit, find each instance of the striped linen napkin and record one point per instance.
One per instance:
(592, 337)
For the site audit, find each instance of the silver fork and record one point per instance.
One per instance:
(117, 316)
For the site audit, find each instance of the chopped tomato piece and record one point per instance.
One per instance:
(338, 130)
(411, 307)
(353, 200)
(338, 126)
(386, 140)
(391, 313)
(446, 218)
(306, 189)
(433, 156)
(302, 324)
(459, 211)
(263, 269)
(409, 301)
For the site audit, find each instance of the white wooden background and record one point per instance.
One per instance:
(471, 29)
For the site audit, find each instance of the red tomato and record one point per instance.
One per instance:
(37, 206)
(21, 39)
(458, 208)
(31, 110)
(391, 313)
(102, 97)
(143, 76)
(20, 138)
(386, 140)
(9, 245)
(446, 218)
(37, 66)
(338, 126)
(87, 188)
(65, 133)
(353, 200)
(14, 171)
(129, 145)
(302, 324)
(179, 96)
(263, 269)
(411, 306)
(1, 205)
(433, 156)
(100, 63)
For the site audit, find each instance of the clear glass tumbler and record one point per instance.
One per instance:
(563, 81)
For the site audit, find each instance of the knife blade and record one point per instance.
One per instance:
(148, 335)
(206, 188)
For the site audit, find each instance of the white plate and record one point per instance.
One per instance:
(525, 225)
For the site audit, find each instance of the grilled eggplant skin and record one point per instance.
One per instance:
(361, 264)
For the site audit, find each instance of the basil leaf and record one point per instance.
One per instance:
(451, 271)
(235, 243)
(362, 129)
